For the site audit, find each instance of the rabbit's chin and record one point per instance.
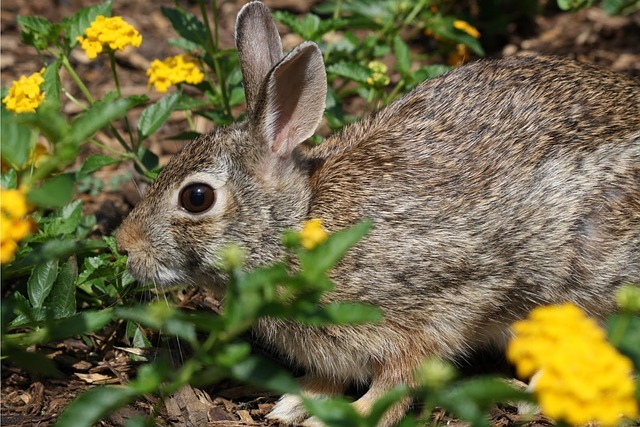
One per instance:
(158, 275)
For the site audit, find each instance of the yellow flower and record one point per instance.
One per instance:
(582, 378)
(379, 77)
(36, 156)
(312, 234)
(108, 34)
(25, 94)
(13, 224)
(459, 56)
(467, 28)
(174, 70)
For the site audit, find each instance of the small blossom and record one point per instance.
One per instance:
(459, 56)
(312, 234)
(108, 34)
(582, 378)
(174, 70)
(435, 373)
(467, 28)
(25, 94)
(14, 226)
(628, 298)
(36, 156)
(379, 77)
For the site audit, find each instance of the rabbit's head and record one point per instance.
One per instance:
(241, 184)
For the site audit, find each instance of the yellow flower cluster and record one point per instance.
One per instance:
(25, 94)
(462, 53)
(379, 77)
(312, 234)
(467, 28)
(108, 33)
(174, 70)
(581, 377)
(13, 224)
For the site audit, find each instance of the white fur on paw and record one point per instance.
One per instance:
(313, 422)
(289, 410)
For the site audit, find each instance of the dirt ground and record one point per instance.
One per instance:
(30, 400)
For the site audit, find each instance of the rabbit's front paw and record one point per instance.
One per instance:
(289, 410)
(313, 422)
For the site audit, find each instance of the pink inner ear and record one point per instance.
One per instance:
(295, 97)
(286, 92)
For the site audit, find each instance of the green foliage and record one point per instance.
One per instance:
(612, 7)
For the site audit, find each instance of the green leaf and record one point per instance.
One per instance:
(78, 324)
(156, 114)
(187, 102)
(350, 71)
(9, 180)
(41, 281)
(37, 31)
(620, 7)
(16, 140)
(82, 19)
(95, 404)
(624, 331)
(52, 86)
(237, 96)
(317, 262)
(32, 362)
(574, 4)
(54, 193)
(50, 121)
(184, 44)
(23, 311)
(63, 295)
(443, 27)
(403, 56)
(471, 399)
(160, 315)
(352, 313)
(336, 412)
(136, 336)
(307, 26)
(187, 26)
(100, 115)
(95, 162)
(148, 158)
(260, 372)
(71, 218)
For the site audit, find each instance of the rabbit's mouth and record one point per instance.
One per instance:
(155, 273)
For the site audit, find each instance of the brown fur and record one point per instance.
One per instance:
(497, 187)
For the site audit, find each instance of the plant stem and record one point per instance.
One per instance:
(104, 147)
(336, 15)
(414, 12)
(112, 63)
(213, 51)
(395, 91)
(67, 66)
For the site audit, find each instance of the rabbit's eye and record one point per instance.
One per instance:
(197, 198)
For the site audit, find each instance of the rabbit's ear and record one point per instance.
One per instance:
(293, 99)
(259, 47)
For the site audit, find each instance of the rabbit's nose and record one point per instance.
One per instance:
(122, 240)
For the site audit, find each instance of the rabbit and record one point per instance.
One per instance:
(499, 186)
